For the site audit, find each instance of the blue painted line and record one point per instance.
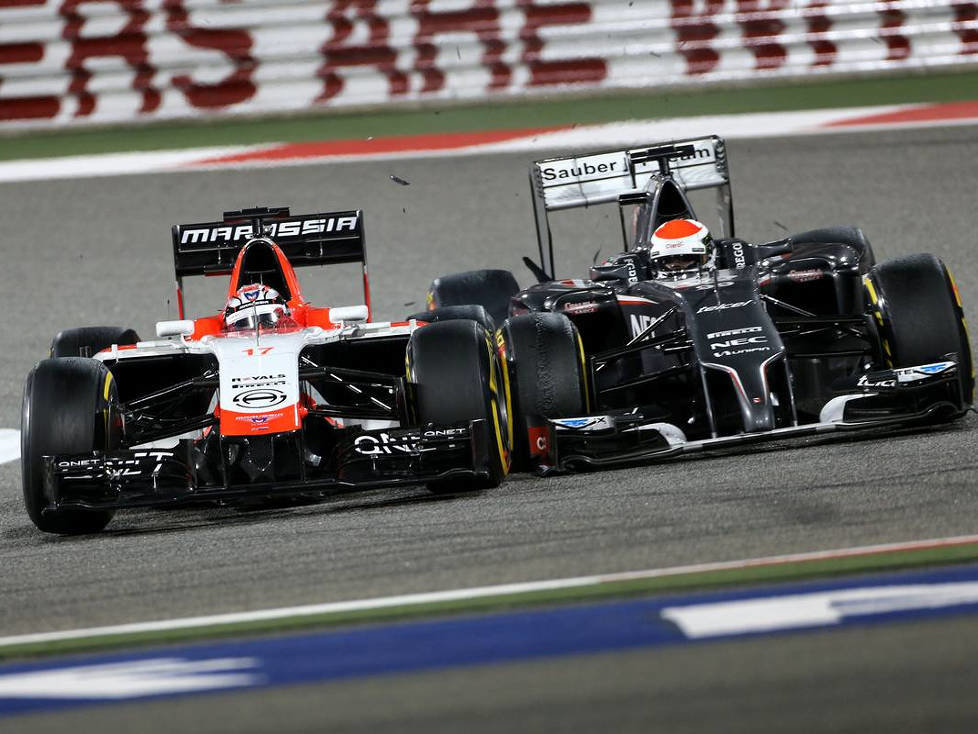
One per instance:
(427, 645)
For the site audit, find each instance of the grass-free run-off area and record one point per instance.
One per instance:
(795, 567)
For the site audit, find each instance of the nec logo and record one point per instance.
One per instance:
(740, 342)
(641, 322)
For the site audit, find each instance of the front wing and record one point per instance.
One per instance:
(894, 398)
(365, 460)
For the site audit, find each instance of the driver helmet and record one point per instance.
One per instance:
(254, 306)
(681, 247)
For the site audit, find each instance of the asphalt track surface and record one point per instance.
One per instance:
(97, 251)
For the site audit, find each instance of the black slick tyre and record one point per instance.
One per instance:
(491, 289)
(544, 359)
(87, 341)
(66, 410)
(919, 315)
(471, 312)
(852, 236)
(457, 378)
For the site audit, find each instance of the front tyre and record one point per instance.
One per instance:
(547, 372)
(491, 289)
(919, 314)
(67, 409)
(457, 378)
(87, 341)
(854, 237)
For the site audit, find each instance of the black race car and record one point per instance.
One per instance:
(803, 335)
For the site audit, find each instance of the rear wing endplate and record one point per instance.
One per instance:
(325, 238)
(614, 176)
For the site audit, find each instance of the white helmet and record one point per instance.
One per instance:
(681, 246)
(254, 306)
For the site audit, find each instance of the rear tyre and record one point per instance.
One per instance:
(919, 315)
(852, 236)
(491, 289)
(544, 359)
(455, 313)
(66, 410)
(457, 379)
(87, 341)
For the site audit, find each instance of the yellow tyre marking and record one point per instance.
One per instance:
(493, 402)
(954, 287)
(504, 368)
(587, 390)
(964, 322)
(872, 291)
(106, 410)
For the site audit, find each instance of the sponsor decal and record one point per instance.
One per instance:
(712, 286)
(922, 372)
(374, 444)
(724, 306)
(876, 382)
(698, 156)
(78, 464)
(735, 332)
(741, 341)
(539, 441)
(933, 369)
(264, 397)
(584, 307)
(804, 276)
(259, 420)
(139, 463)
(240, 383)
(580, 171)
(445, 432)
(738, 352)
(288, 228)
(640, 322)
(585, 423)
(385, 443)
(740, 261)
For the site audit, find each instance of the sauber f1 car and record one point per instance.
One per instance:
(289, 399)
(804, 335)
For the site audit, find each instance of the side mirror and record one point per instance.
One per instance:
(347, 314)
(183, 327)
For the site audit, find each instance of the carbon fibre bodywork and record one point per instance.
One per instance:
(783, 338)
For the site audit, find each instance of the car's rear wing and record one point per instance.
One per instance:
(621, 176)
(326, 238)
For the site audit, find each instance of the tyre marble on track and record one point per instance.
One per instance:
(97, 251)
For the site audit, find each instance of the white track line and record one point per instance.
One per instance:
(473, 593)
(631, 132)
(9, 445)
(111, 164)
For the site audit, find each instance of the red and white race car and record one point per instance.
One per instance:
(272, 396)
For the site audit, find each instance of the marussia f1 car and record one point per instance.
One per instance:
(799, 336)
(316, 402)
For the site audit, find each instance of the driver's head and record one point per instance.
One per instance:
(254, 306)
(680, 247)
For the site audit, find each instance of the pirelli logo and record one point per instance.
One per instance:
(283, 230)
